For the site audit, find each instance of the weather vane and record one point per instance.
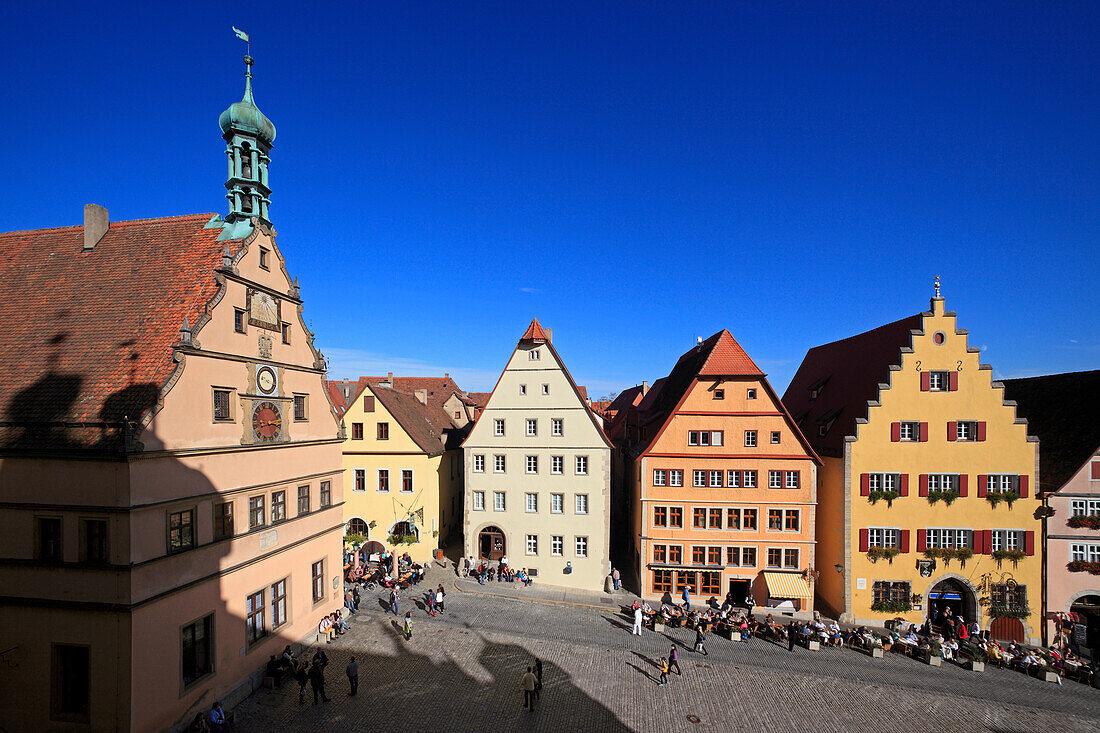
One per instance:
(937, 276)
(244, 37)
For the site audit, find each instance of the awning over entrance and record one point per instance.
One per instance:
(945, 596)
(787, 585)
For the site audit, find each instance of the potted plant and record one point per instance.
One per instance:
(1010, 497)
(355, 539)
(874, 554)
(1083, 566)
(1020, 612)
(1081, 520)
(962, 554)
(1014, 555)
(977, 658)
(892, 606)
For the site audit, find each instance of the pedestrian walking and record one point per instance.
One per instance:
(664, 672)
(699, 647)
(674, 660)
(393, 601)
(355, 596)
(429, 603)
(538, 676)
(616, 578)
(791, 631)
(317, 680)
(440, 594)
(529, 683)
(637, 621)
(408, 626)
(301, 676)
(352, 672)
(349, 602)
(687, 599)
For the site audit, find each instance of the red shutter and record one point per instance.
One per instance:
(863, 545)
(924, 432)
(979, 539)
(1023, 486)
(962, 484)
(895, 432)
(925, 381)
(1029, 543)
(922, 540)
(923, 488)
(903, 543)
(952, 381)
(1096, 469)
(983, 485)
(903, 485)
(981, 430)
(987, 541)
(952, 431)
(864, 484)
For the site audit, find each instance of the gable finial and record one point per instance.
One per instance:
(937, 283)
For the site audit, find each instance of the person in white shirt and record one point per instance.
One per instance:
(637, 631)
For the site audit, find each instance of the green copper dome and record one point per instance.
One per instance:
(245, 115)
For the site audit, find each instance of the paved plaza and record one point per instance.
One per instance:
(461, 672)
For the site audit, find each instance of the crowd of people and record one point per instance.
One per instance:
(484, 572)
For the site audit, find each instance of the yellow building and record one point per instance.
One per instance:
(927, 498)
(403, 469)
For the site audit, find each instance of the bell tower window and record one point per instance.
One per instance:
(246, 200)
(246, 161)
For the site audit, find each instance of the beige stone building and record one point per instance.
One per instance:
(538, 469)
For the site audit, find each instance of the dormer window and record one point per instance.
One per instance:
(813, 394)
(750, 393)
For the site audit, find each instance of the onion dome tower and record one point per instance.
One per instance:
(248, 136)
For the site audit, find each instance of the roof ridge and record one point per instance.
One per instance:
(869, 330)
(124, 222)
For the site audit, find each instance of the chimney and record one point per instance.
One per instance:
(389, 378)
(422, 395)
(645, 388)
(549, 334)
(95, 225)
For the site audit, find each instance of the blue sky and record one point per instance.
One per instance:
(634, 174)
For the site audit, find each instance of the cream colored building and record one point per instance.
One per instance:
(538, 471)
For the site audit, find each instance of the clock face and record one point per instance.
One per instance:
(267, 421)
(265, 379)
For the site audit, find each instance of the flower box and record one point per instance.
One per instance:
(1080, 520)
(1083, 566)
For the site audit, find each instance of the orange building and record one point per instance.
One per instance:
(722, 484)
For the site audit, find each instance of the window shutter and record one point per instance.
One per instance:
(1029, 543)
(987, 541)
(903, 485)
(863, 543)
(922, 490)
(895, 432)
(922, 540)
(981, 430)
(983, 485)
(979, 540)
(962, 484)
(952, 381)
(864, 484)
(368, 403)
(952, 431)
(924, 432)
(903, 542)
(1023, 485)
(1096, 469)
(925, 381)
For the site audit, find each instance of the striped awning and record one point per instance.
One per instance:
(787, 585)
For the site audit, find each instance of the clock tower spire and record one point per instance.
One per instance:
(248, 136)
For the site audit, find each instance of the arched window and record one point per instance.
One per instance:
(246, 200)
(246, 161)
(356, 526)
(402, 530)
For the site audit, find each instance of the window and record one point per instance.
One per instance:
(318, 578)
(1000, 483)
(719, 394)
(749, 479)
(775, 557)
(278, 506)
(775, 437)
(750, 438)
(479, 501)
(704, 437)
(662, 582)
(733, 519)
(498, 501)
(660, 516)
(383, 480)
(950, 538)
(775, 519)
(523, 389)
(531, 503)
(546, 389)
(675, 554)
(301, 411)
(714, 518)
(748, 519)
(360, 479)
(498, 427)
(498, 464)
(698, 555)
(239, 320)
(660, 477)
(357, 431)
(263, 251)
(532, 428)
(937, 381)
(1084, 552)
(557, 464)
(676, 517)
(582, 465)
(255, 617)
(533, 355)
(883, 481)
(383, 431)
(686, 580)
(557, 427)
(70, 682)
(884, 591)
(557, 545)
(943, 482)
(675, 477)
(557, 503)
(278, 604)
(699, 517)
(326, 494)
(699, 478)
(458, 415)
(49, 539)
(582, 547)
(733, 556)
(1008, 539)
(303, 500)
(750, 393)
(966, 430)
(715, 479)
(479, 464)
(222, 409)
(792, 479)
(197, 649)
(284, 328)
(733, 479)
(94, 545)
(792, 520)
(582, 503)
(660, 553)
(532, 544)
(256, 517)
(775, 479)
(714, 556)
(407, 480)
(710, 583)
(883, 537)
(748, 557)
(1084, 507)
(1013, 597)
(532, 464)
(181, 531)
(909, 432)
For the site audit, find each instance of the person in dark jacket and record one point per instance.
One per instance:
(791, 631)
(301, 676)
(317, 680)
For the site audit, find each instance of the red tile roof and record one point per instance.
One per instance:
(87, 336)
(728, 359)
(480, 399)
(439, 389)
(846, 374)
(534, 332)
(429, 426)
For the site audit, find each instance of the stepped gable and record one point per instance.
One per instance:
(86, 336)
(846, 374)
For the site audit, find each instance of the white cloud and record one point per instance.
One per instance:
(354, 363)
(529, 290)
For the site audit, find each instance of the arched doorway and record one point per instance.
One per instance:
(490, 544)
(1007, 629)
(1086, 631)
(951, 597)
